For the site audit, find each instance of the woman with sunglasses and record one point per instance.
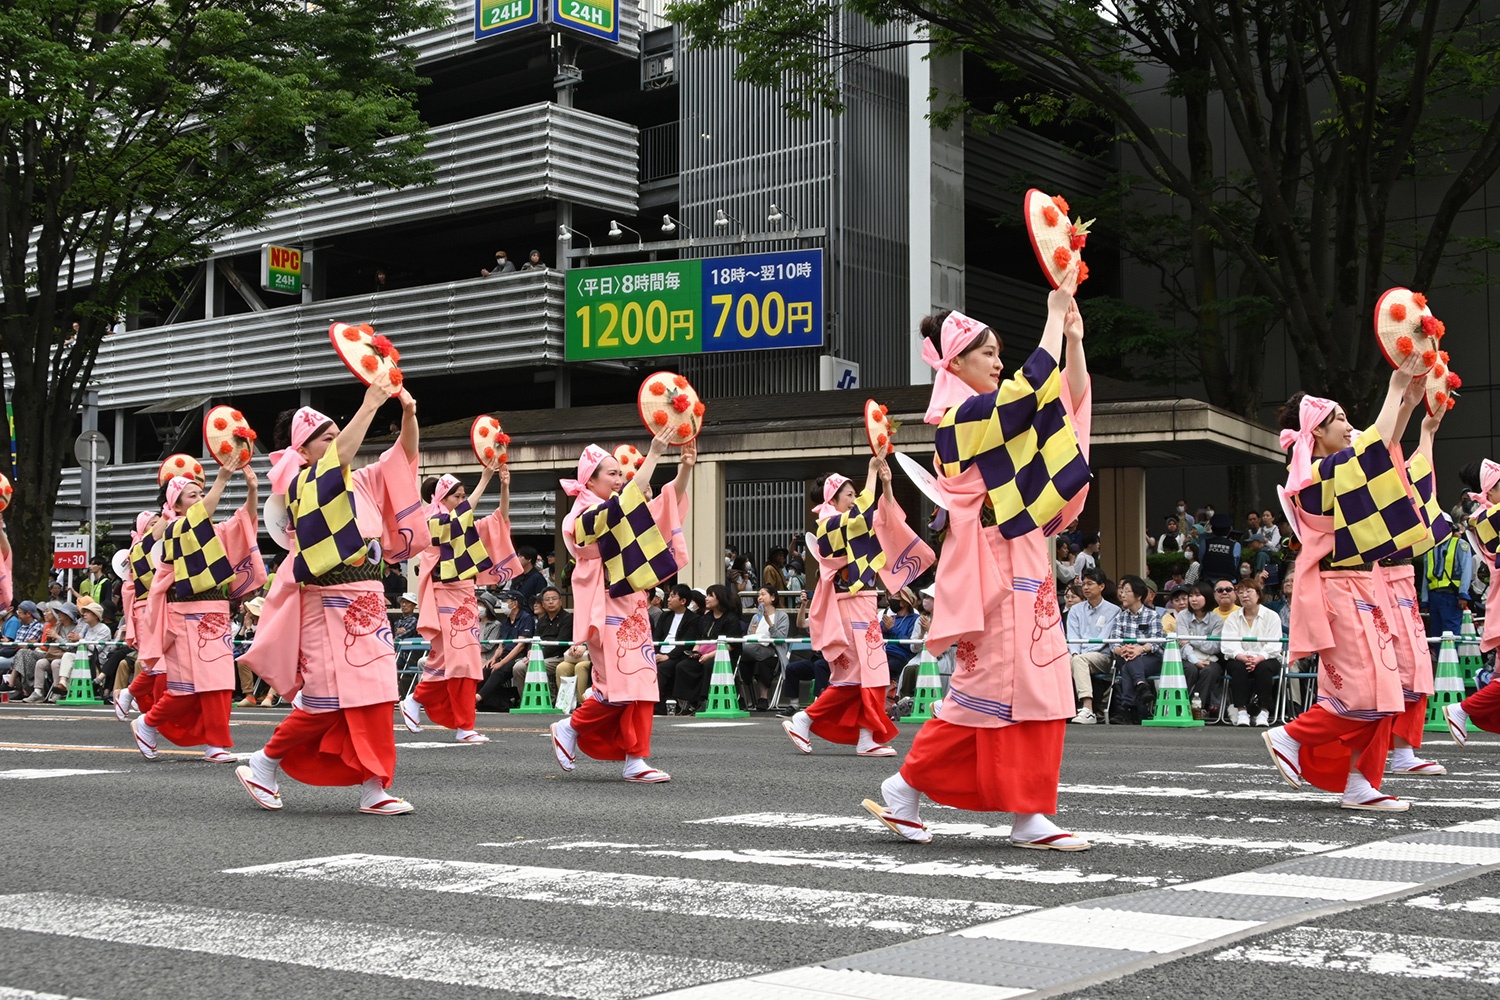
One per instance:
(1349, 503)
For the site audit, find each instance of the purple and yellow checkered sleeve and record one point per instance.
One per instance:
(1374, 516)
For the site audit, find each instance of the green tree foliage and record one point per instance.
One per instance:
(1299, 129)
(133, 133)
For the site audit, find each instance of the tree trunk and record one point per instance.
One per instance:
(42, 419)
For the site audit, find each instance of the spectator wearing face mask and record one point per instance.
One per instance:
(498, 693)
(503, 265)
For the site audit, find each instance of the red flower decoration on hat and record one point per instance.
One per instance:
(1429, 357)
(1429, 325)
(382, 346)
(1404, 344)
(350, 333)
(1419, 300)
(658, 389)
(225, 448)
(244, 454)
(698, 409)
(397, 378)
(681, 403)
(1438, 371)
(685, 431)
(1061, 203)
(1398, 311)
(503, 438)
(659, 418)
(881, 439)
(1443, 356)
(1451, 401)
(1442, 398)
(1442, 328)
(367, 329)
(489, 453)
(220, 423)
(236, 415)
(1077, 240)
(1454, 382)
(1050, 215)
(181, 464)
(681, 380)
(369, 363)
(1083, 271)
(504, 458)
(1061, 256)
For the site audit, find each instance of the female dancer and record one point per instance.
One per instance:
(1395, 578)
(459, 551)
(1482, 708)
(187, 624)
(325, 630)
(624, 545)
(1349, 498)
(845, 625)
(1017, 450)
(150, 683)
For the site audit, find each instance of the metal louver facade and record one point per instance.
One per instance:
(848, 173)
(126, 490)
(468, 325)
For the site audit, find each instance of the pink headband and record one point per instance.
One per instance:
(1489, 477)
(141, 520)
(175, 486)
(948, 390)
(831, 487)
(285, 463)
(1311, 414)
(444, 486)
(587, 463)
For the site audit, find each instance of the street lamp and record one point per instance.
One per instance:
(616, 231)
(776, 215)
(566, 233)
(722, 219)
(669, 225)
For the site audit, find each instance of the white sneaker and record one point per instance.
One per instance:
(1086, 717)
(411, 714)
(1262, 719)
(1242, 718)
(34, 697)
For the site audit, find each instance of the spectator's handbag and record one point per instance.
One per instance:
(1408, 332)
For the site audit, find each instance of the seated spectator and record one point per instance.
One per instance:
(721, 621)
(1224, 598)
(1071, 596)
(898, 622)
(1252, 653)
(674, 634)
(534, 262)
(761, 660)
(1202, 664)
(59, 619)
(1064, 566)
(1136, 663)
(553, 625)
(1089, 625)
(1177, 604)
(804, 664)
(503, 265)
(498, 692)
(93, 639)
(654, 608)
(22, 616)
(531, 582)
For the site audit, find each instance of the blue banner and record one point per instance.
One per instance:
(763, 300)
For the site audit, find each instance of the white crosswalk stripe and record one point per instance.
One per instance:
(33, 773)
(684, 896)
(1410, 956)
(363, 948)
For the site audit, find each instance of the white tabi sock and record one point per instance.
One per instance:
(802, 722)
(1033, 826)
(147, 731)
(866, 740)
(373, 791)
(1358, 788)
(901, 799)
(1402, 758)
(263, 769)
(634, 766)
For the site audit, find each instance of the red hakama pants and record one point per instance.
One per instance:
(1483, 707)
(1330, 741)
(613, 732)
(148, 689)
(449, 703)
(1009, 769)
(1408, 725)
(347, 746)
(192, 720)
(840, 712)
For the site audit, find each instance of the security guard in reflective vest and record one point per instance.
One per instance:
(1448, 569)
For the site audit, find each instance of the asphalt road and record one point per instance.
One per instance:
(514, 880)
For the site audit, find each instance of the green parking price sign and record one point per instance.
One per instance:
(634, 311)
(496, 17)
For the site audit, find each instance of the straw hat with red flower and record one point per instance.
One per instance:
(489, 442)
(667, 400)
(1056, 239)
(229, 438)
(371, 357)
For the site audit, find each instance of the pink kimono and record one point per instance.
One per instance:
(332, 641)
(845, 627)
(1337, 609)
(449, 611)
(1483, 706)
(1395, 579)
(996, 743)
(192, 640)
(610, 607)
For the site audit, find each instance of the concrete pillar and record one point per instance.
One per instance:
(936, 195)
(704, 530)
(1122, 520)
